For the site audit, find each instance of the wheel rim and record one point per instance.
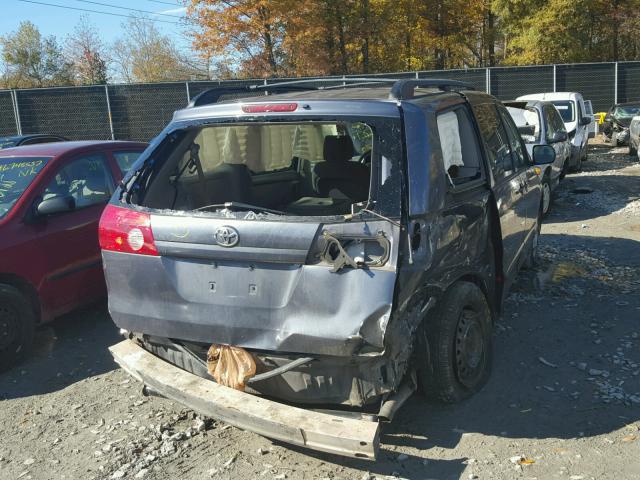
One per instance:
(546, 197)
(9, 319)
(470, 349)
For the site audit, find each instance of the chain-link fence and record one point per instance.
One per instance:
(140, 111)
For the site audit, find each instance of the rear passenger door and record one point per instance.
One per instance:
(508, 187)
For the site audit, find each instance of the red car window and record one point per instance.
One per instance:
(87, 179)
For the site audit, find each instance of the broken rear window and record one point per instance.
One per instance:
(303, 168)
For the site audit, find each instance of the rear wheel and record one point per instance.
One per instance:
(454, 348)
(546, 195)
(578, 167)
(17, 325)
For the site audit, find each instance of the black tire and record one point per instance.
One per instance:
(17, 325)
(565, 169)
(454, 348)
(578, 167)
(547, 198)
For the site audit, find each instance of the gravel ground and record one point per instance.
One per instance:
(563, 401)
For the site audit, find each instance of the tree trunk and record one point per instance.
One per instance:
(342, 43)
(268, 42)
(365, 40)
(491, 37)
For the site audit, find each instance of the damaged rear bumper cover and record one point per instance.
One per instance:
(318, 431)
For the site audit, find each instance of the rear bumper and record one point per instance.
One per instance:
(317, 431)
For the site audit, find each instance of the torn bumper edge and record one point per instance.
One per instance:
(306, 428)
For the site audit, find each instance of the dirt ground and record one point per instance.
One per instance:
(563, 401)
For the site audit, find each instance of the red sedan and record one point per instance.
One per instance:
(51, 198)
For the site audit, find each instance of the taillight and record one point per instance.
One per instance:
(128, 231)
(270, 107)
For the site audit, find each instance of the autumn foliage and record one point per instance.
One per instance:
(318, 37)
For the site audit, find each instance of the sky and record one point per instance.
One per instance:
(57, 21)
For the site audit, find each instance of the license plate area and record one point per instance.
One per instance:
(228, 283)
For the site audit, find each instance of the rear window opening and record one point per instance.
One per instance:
(528, 122)
(299, 169)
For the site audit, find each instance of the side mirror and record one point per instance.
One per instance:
(54, 205)
(558, 137)
(585, 121)
(543, 155)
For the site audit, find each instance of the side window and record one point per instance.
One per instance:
(86, 179)
(550, 123)
(495, 138)
(555, 115)
(460, 151)
(34, 141)
(518, 152)
(125, 160)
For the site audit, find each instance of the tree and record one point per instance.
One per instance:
(32, 60)
(87, 53)
(286, 38)
(143, 54)
(251, 31)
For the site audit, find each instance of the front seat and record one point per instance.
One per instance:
(227, 183)
(338, 176)
(94, 189)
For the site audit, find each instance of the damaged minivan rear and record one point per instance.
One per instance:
(261, 261)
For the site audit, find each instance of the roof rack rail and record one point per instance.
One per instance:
(401, 89)
(404, 89)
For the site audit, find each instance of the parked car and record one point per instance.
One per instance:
(325, 247)
(51, 198)
(593, 127)
(617, 121)
(539, 123)
(576, 121)
(20, 140)
(634, 135)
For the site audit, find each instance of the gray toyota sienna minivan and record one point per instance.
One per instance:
(326, 248)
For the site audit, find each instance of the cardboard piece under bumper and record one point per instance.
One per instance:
(318, 431)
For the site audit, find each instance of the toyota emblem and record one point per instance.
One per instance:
(226, 236)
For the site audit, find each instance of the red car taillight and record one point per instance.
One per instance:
(128, 231)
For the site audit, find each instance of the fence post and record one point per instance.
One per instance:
(554, 78)
(16, 112)
(417, 76)
(106, 93)
(488, 80)
(186, 84)
(615, 84)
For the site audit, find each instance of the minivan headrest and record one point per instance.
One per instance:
(337, 149)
